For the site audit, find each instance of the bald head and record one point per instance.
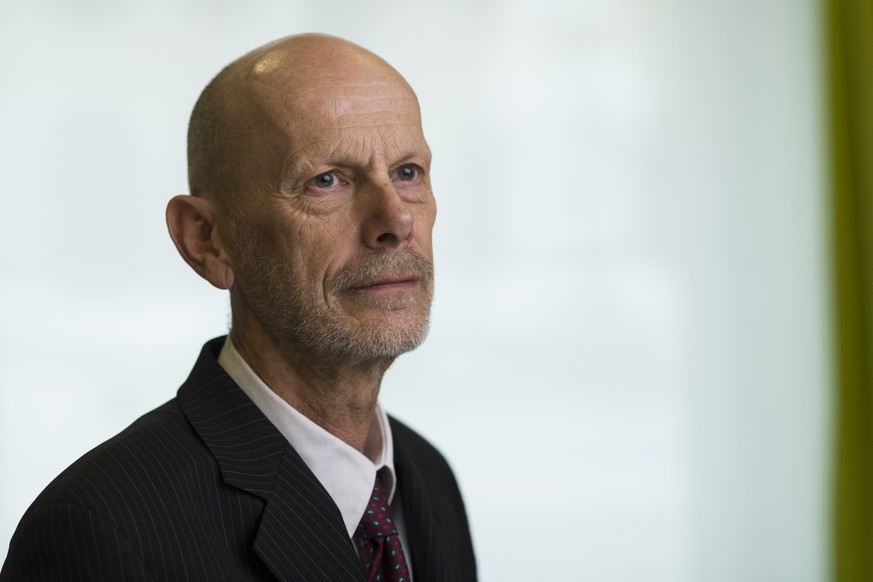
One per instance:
(312, 201)
(239, 128)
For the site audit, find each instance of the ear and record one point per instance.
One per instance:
(191, 222)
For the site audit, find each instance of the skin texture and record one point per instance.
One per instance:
(311, 202)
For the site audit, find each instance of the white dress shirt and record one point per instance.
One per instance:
(346, 473)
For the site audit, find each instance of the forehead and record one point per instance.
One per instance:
(298, 113)
(319, 86)
(344, 119)
(350, 104)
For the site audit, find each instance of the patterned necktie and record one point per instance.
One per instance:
(382, 554)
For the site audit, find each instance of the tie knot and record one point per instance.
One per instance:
(377, 521)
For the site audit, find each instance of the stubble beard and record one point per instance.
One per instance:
(290, 313)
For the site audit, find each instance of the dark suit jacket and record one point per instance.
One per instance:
(206, 488)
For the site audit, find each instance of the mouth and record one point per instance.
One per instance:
(388, 283)
(385, 277)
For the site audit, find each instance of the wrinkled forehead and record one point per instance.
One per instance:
(284, 107)
(298, 93)
(322, 112)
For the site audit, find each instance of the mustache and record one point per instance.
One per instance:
(378, 266)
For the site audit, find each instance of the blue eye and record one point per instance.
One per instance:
(407, 173)
(325, 180)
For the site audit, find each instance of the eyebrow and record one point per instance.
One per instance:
(299, 161)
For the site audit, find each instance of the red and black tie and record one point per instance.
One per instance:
(382, 554)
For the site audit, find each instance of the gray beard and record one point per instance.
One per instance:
(281, 304)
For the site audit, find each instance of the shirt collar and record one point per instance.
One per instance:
(346, 473)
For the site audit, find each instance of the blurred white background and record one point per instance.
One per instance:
(630, 328)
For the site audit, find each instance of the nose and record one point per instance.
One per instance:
(387, 222)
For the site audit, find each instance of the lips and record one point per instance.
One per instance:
(379, 271)
(388, 282)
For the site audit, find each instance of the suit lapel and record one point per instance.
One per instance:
(301, 534)
(421, 511)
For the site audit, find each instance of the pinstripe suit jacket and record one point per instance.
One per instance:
(206, 488)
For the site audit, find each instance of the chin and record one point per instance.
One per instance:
(372, 335)
(380, 339)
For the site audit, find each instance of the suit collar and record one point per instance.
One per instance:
(247, 448)
(422, 508)
(301, 534)
(345, 472)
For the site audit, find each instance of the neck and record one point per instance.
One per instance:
(338, 394)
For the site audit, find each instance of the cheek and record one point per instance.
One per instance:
(424, 222)
(321, 248)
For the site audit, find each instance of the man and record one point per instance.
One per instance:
(311, 203)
